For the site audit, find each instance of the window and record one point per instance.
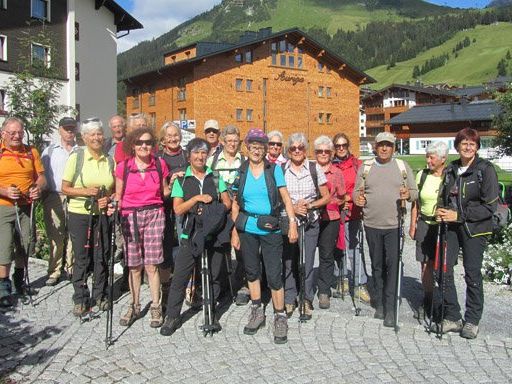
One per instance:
(183, 114)
(248, 114)
(248, 85)
(182, 90)
(40, 9)
(182, 95)
(3, 48)
(328, 91)
(282, 61)
(320, 91)
(2, 100)
(77, 31)
(328, 118)
(291, 61)
(320, 67)
(238, 84)
(289, 55)
(3, 4)
(299, 61)
(248, 56)
(321, 118)
(238, 57)
(77, 71)
(152, 97)
(152, 120)
(135, 94)
(239, 113)
(40, 55)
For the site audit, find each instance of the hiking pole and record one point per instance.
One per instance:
(207, 299)
(442, 273)
(113, 247)
(401, 241)
(87, 246)
(31, 246)
(302, 270)
(229, 270)
(435, 275)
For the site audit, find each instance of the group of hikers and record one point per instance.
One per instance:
(185, 214)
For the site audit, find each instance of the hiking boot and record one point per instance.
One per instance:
(256, 320)
(342, 288)
(103, 304)
(170, 325)
(280, 328)
(362, 293)
(379, 313)
(389, 320)
(308, 310)
(19, 284)
(448, 326)
(216, 327)
(242, 296)
(132, 314)
(289, 309)
(80, 309)
(469, 331)
(324, 301)
(6, 299)
(155, 312)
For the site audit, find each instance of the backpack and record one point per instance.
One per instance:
(80, 164)
(273, 193)
(158, 167)
(501, 217)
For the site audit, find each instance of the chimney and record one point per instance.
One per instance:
(248, 36)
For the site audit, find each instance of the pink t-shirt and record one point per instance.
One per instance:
(141, 192)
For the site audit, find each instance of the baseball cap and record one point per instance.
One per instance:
(385, 136)
(256, 135)
(67, 122)
(214, 124)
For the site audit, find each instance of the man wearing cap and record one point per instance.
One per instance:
(382, 184)
(54, 159)
(212, 135)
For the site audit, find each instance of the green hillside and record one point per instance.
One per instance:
(475, 64)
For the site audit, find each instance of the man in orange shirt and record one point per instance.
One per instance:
(21, 181)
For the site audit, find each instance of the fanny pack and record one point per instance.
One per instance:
(264, 222)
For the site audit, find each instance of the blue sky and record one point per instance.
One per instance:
(160, 16)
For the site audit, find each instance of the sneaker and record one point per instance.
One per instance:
(280, 329)
(216, 327)
(156, 316)
(242, 296)
(379, 313)
(52, 281)
(324, 301)
(80, 309)
(132, 314)
(308, 310)
(256, 320)
(289, 309)
(448, 326)
(469, 331)
(389, 320)
(103, 304)
(341, 288)
(362, 293)
(170, 326)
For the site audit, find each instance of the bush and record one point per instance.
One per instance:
(42, 247)
(497, 262)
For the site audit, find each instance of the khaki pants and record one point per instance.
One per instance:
(9, 236)
(55, 222)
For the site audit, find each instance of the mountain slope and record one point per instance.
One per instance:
(473, 65)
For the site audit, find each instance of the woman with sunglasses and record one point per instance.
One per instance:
(350, 226)
(329, 220)
(307, 186)
(141, 187)
(275, 148)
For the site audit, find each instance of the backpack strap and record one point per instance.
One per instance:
(51, 147)
(127, 170)
(424, 174)
(79, 164)
(314, 176)
(158, 165)
(367, 165)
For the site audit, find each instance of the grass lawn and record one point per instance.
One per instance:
(417, 162)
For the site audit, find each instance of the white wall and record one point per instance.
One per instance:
(388, 101)
(96, 51)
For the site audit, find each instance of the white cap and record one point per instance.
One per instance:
(214, 124)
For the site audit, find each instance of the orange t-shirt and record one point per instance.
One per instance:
(20, 168)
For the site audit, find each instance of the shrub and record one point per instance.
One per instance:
(497, 262)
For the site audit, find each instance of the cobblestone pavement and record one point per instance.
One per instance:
(46, 344)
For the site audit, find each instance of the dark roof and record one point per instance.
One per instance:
(470, 91)
(122, 19)
(444, 113)
(263, 35)
(415, 88)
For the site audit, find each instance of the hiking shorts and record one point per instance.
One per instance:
(9, 235)
(147, 247)
(426, 238)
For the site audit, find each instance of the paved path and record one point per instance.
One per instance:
(46, 344)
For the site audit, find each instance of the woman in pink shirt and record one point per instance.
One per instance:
(141, 187)
(330, 219)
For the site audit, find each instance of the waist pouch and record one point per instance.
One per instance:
(264, 222)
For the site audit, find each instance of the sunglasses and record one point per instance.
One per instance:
(296, 148)
(323, 151)
(92, 119)
(271, 143)
(69, 129)
(210, 130)
(339, 146)
(149, 143)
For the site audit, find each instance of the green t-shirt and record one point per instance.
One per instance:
(95, 173)
(429, 194)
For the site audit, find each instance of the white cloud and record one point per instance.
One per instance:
(160, 16)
